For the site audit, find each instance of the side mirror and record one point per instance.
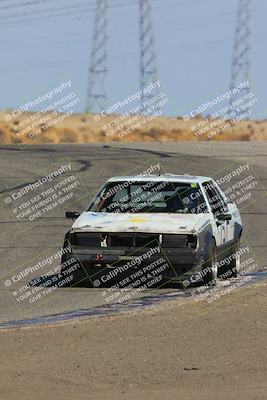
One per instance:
(224, 217)
(229, 201)
(72, 215)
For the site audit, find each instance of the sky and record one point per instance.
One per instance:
(45, 42)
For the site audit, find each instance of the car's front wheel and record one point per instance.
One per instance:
(210, 267)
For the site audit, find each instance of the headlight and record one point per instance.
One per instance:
(179, 241)
(85, 239)
(191, 241)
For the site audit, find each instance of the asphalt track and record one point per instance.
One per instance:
(94, 163)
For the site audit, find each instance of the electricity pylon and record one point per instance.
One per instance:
(241, 55)
(148, 65)
(96, 93)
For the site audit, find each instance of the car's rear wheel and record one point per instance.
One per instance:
(210, 267)
(231, 270)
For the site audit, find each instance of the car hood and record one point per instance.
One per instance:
(148, 222)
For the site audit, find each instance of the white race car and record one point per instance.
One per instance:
(187, 219)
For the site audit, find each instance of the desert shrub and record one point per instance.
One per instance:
(68, 136)
(5, 136)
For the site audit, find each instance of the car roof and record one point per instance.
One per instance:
(162, 178)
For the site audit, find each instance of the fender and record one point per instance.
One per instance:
(205, 239)
(65, 244)
(237, 231)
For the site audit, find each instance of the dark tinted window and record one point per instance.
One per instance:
(150, 196)
(216, 201)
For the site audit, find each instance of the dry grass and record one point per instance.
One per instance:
(82, 128)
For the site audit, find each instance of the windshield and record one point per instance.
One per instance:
(150, 196)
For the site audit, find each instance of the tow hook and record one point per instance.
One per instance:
(98, 258)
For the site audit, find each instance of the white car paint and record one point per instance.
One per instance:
(146, 222)
(171, 223)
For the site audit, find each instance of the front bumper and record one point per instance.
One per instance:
(116, 264)
(109, 256)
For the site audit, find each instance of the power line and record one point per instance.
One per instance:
(28, 3)
(63, 14)
(20, 14)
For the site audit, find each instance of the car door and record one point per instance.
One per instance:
(230, 209)
(217, 206)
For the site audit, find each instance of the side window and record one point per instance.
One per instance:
(216, 201)
(221, 200)
(197, 203)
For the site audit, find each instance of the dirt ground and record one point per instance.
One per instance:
(29, 128)
(178, 350)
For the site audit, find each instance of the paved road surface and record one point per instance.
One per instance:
(22, 243)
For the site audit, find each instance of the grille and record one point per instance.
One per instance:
(132, 240)
(136, 240)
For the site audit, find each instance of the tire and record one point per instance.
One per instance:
(231, 270)
(210, 267)
(65, 245)
(79, 278)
